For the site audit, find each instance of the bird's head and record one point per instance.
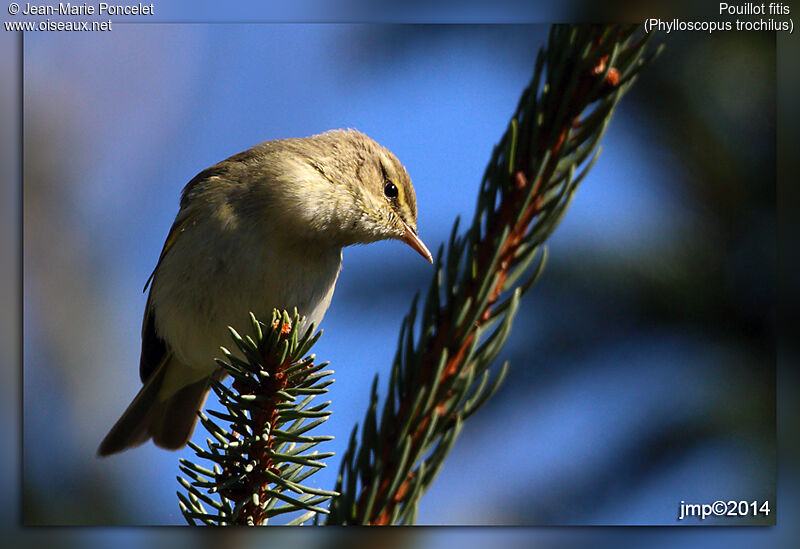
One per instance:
(356, 191)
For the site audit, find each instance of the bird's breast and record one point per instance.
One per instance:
(203, 286)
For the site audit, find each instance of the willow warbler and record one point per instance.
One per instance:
(259, 231)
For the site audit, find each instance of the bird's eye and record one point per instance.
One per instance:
(390, 190)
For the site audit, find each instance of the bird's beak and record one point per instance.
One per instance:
(410, 237)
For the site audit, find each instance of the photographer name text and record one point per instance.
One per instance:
(101, 8)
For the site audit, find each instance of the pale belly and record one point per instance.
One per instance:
(198, 292)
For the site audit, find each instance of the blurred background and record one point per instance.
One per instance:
(642, 364)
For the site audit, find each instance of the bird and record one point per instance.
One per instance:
(263, 229)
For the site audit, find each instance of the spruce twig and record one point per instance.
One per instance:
(258, 464)
(440, 374)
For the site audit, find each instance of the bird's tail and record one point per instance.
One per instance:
(169, 422)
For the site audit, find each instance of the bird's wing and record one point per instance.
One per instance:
(175, 231)
(154, 349)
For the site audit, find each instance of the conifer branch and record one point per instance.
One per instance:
(259, 463)
(440, 374)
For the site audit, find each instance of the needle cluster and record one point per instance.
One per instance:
(262, 455)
